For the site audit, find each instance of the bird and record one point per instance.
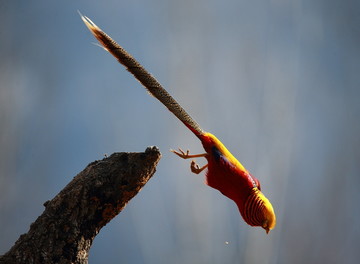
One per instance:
(223, 171)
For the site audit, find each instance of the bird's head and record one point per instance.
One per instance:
(258, 211)
(269, 220)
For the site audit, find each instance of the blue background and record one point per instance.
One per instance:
(277, 81)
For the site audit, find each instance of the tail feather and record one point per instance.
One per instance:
(143, 76)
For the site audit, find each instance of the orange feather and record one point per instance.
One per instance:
(226, 174)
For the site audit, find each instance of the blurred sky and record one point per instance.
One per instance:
(277, 81)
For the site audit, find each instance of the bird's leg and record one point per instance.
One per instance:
(186, 155)
(195, 168)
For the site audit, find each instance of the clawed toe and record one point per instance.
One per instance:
(181, 153)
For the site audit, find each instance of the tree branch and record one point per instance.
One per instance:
(66, 229)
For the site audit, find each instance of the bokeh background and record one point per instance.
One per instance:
(277, 81)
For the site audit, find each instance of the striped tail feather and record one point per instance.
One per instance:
(143, 76)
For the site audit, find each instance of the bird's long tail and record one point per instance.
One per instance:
(143, 76)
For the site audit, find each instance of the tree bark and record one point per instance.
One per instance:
(66, 229)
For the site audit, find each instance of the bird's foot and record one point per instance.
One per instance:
(195, 168)
(186, 155)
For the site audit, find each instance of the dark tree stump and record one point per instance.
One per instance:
(66, 229)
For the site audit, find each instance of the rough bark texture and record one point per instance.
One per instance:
(70, 222)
